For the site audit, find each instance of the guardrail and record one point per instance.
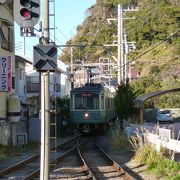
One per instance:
(160, 141)
(160, 137)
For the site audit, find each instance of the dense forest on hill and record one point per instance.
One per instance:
(156, 32)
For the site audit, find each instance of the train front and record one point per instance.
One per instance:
(87, 108)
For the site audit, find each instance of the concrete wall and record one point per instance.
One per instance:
(5, 134)
(13, 133)
(34, 130)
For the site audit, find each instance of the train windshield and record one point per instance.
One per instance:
(86, 101)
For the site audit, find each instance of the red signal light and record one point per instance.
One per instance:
(25, 13)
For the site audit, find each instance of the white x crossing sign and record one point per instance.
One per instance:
(45, 57)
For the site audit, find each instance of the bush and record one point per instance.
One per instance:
(145, 153)
(118, 139)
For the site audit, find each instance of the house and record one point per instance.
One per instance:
(59, 80)
(10, 104)
(7, 56)
(133, 73)
(20, 77)
(60, 86)
(20, 83)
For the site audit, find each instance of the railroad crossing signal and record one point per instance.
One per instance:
(26, 12)
(45, 57)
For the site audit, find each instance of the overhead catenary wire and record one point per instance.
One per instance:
(150, 49)
(63, 34)
(134, 59)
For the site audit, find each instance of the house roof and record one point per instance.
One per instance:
(22, 59)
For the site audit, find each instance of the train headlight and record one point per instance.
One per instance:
(86, 115)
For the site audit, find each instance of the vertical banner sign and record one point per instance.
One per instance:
(4, 75)
(9, 74)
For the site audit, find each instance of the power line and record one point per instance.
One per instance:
(167, 38)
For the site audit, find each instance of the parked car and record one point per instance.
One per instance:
(164, 116)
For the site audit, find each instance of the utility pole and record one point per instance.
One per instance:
(72, 73)
(120, 44)
(45, 104)
(125, 57)
(27, 14)
(121, 59)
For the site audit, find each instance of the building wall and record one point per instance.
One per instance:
(64, 79)
(61, 78)
(7, 50)
(7, 28)
(20, 83)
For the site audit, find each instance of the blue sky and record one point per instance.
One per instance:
(69, 14)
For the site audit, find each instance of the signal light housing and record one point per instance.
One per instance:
(27, 12)
(25, 3)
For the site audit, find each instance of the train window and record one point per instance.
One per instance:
(108, 103)
(102, 101)
(93, 101)
(86, 101)
(79, 102)
(71, 102)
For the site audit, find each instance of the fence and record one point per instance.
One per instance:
(159, 136)
(13, 133)
(5, 134)
(160, 141)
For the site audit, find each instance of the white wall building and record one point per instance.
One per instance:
(60, 78)
(7, 45)
(7, 57)
(20, 78)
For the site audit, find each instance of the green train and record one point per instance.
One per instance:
(91, 107)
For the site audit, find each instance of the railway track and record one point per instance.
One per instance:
(100, 165)
(29, 168)
(77, 158)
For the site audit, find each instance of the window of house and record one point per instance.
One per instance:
(34, 79)
(13, 82)
(21, 74)
(58, 87)
(7, 35)
(2, 38)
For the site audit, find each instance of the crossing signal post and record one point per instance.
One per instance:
(45, 57)
(26, 12)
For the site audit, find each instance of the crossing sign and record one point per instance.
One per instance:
(45, 57)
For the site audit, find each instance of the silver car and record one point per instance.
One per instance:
(164, 116)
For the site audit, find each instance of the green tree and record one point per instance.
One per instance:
(124, 100)
(63, 106)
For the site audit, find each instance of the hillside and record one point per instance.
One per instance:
(156, 31)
